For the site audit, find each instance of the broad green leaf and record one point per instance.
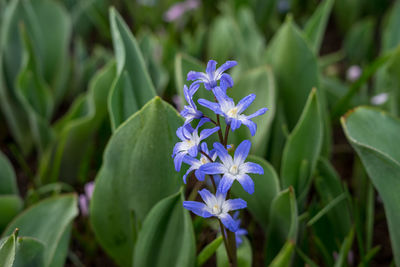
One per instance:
(244, 255)
(150, 47)
(223, 28)
(285, 255)
(8, 182)
(359, 41)
(35, 95)
(346, 13)
(264, 10)
(283, 223)
(184, 64)
(10, 206)
(345, 249)
(50, 27)
(10, 57)
(260, 82)
(295, 68)
(7, 250)
(209, 250)
(302, 148)
(29, 252)
(129, 59)
(77, 128)
(266, 189)
(128, 183)
(167, 237)
(390, 29)
(316, 26)
(380, 156)
(48, 221)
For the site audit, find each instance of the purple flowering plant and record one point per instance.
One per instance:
(221, 168)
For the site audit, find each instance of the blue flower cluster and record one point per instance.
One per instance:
(218, 164)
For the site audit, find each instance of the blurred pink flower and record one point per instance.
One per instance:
(84, 199)
(353, 73)
(177, 10)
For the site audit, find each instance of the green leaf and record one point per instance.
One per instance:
(10, 206)
(283, 223)
(7, 250)
(327, 209)
(244, 255)
(223, 28)
(167, 237)
(128, 183)
(316, 26)
(50, 19)
(48, 221)
(302, 148)
(77, 128)
(266, 189)
(10, 56)
(295, 68)
(380, 155)
(285, 255)
(345, 249)
(184, 64)
(8, 182)
(390, 29)
(35, 95)
(359, 41)
(209, 250)
(260, 82)
(29, 252)
(129, 59)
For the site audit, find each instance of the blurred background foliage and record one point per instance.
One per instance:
(79, 76)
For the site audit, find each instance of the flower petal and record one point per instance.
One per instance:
(246, 182)
(228, 222)
(207, 197)
(259, 112)
(226, 81)
(212, 168)
(251, 125)
(227, 65)
(245, 102)
(210, 105)
(251, 167)
(197, 208)
(236, 204)
(195, 75)
(207, 132)
(225, 183)
(178, 160)
(223, 154)
(211, 66)
(242, 151)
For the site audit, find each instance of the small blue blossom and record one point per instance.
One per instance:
(190, 141)
(216, 206)
(190, 112)
(240, 232)
(195, 164)
(233, 114)
(233, 169)
(213, 75)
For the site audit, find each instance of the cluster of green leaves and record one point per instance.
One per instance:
(119, 128)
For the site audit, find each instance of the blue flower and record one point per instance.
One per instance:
(190, 112)
(212, 75)
(195, 164)
(233, 169)
(240, 232)
(190, 141)
(216, 206)
(233, 114)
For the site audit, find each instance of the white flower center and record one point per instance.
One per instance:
(234, 169)
(203, 160)
(233, 112)
(216, 210)
(190, 143)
